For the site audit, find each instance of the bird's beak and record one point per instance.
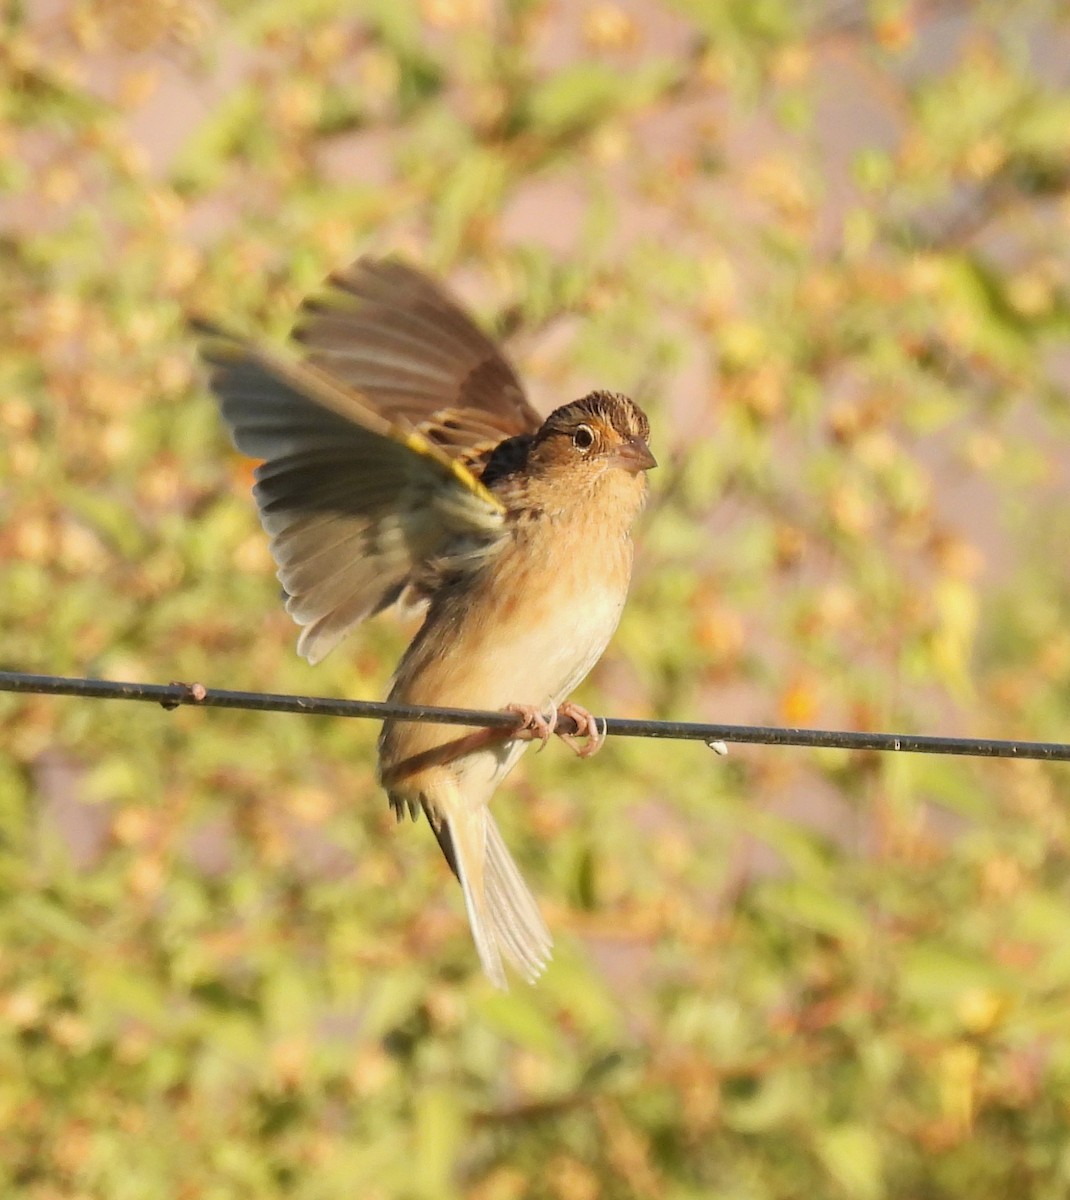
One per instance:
(634, 455)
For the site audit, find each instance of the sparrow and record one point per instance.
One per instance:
(403, 466)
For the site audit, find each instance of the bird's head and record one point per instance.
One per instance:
(601, 434)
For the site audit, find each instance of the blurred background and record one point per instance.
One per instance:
(825, 244)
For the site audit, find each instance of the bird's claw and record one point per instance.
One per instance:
(586, 727)
(533, 723)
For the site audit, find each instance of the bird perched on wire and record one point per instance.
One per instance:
(402, 464)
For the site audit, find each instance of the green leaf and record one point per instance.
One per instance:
(519, 1017)
(577, 98)
(852, 1156)
(207, 153)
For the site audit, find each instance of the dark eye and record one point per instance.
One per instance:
(583, 438)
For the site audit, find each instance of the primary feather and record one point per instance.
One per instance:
(396, 336)
(356, 505)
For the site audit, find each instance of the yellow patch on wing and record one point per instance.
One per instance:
(419, 444)
(345, 402)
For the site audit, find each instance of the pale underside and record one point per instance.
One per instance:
(504, 642)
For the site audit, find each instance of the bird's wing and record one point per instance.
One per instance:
(389, 331)
(356, 503)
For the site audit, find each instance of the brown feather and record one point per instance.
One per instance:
(389, 331)
(355, 504)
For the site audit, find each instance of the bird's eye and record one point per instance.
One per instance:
(583, 438)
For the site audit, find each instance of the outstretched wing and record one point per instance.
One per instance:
(390, 332)
(356, 503)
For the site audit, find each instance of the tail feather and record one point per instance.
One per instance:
(467, 833)
(518, 923)
(502, 912)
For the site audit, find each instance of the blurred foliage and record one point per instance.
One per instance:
(826, 245)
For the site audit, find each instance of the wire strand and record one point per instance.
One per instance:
(174, 695)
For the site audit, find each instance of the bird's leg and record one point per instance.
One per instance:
(586, 727)
(533, 723)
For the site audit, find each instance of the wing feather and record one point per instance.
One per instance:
(390, 332)
(357, 505)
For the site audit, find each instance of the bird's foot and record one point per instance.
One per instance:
(586, 727)
(532, 723)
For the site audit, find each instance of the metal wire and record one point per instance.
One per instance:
(172, 695)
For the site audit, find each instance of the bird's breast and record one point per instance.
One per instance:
(535, 622)
(525, 629)
(549, 635)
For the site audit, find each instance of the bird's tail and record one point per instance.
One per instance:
(502, 911)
